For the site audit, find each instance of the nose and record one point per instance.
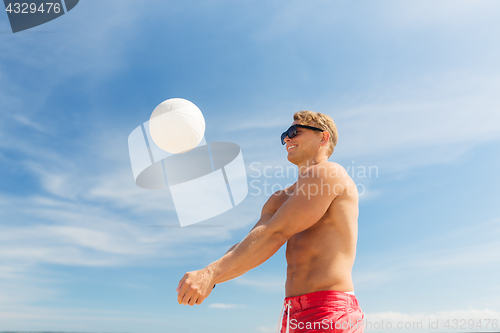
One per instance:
(287, 139)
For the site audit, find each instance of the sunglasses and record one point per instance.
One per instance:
(292, 131)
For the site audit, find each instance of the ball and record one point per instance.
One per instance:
(177, 125)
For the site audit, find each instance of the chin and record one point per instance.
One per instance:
(292, 159)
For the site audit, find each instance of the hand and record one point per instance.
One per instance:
(194, 287)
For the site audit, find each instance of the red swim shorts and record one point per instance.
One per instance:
(322, 311)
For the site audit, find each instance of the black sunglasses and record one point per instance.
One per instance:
(292, 131)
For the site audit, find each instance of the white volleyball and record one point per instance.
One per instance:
(177, 125)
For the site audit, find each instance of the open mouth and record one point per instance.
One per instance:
(290, 148)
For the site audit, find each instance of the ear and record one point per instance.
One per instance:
(325, 136)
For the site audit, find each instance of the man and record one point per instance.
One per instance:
(317, 218)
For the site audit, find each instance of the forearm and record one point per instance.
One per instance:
(232, 276)
(258, 246)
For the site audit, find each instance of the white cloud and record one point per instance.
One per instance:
(366, 194)
(92, 217)
(466, 246)
(470, 248)
(262, 123)
(464, 256)
(97, 238)
(268, 284)
(225, 306)
(327, 17)
(18, 286)
(445, 14)
(435, 118)
(81, 47)
(292, 16)
(372, 278)
(38, 318)
(88, 211)
(432, 119)
(25, 121)
(417, 117)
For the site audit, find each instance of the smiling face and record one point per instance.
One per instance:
(305, 145)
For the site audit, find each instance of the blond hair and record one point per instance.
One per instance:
(323, 121)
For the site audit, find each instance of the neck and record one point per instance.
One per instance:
(305, 164)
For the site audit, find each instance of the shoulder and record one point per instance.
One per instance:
(329, 177)
(327, 171)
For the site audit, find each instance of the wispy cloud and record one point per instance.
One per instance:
(267, 284)
(325, 17)
(447, 14)
(91, 215)
(464, 111)
(76, 319)
(92, 236)
(25, 121)
(432, 119)
(262, 123)
(225, 306)
(466, 248)
(366, 194)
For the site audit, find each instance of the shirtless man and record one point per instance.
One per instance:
(317, 218)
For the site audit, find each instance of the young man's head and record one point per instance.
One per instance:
(317, 140)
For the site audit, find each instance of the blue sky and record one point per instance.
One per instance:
(412, 86)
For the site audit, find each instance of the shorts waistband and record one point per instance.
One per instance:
(324, 297)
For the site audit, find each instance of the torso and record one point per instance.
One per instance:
(321, 257)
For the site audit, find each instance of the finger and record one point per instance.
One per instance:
(200, 300)
(180, 296)
(181, 282)
(192, 301)
(183, 290)
(187, 296)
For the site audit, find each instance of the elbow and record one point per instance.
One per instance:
(281, 237)
(275, 235)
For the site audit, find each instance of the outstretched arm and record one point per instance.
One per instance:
(303, 209)
(184, 295)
